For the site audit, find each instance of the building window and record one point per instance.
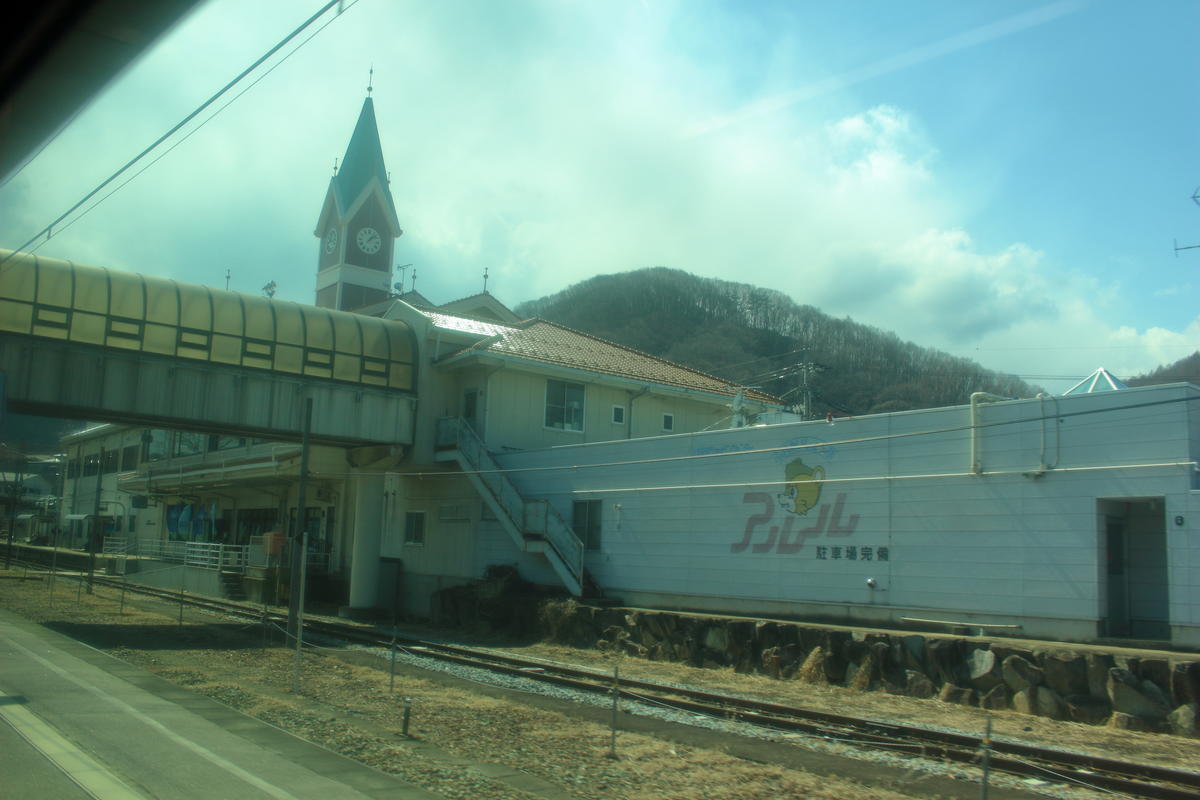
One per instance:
(414, 527)
(668, 422)
(585, 520)
(618, 416)
(564, 406)
(111, 463)
(91, 465)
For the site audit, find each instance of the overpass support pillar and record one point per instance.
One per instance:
(368, 528)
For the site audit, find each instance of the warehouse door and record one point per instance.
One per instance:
(1135, 556)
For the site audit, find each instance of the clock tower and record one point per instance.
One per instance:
(358, 225)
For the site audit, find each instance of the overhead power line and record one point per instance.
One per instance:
(48, 230)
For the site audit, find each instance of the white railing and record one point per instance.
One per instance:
(529, 516)
(116, 546)
(207, 555)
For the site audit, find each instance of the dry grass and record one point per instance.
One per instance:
(458, 736)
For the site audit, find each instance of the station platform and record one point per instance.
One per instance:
(74, 717)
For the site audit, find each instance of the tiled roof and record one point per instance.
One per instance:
(548, 343)
(450, 322)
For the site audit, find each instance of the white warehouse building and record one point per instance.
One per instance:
(1072, 517)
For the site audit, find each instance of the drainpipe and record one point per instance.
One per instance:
(976, 399)
(629, 416)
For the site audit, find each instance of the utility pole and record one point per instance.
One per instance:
(806, 370)
(299, 543)
(95, 528)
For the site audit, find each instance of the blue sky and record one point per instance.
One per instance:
(1001, 180)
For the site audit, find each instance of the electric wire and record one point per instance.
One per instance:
(48, 230)
(196, 129)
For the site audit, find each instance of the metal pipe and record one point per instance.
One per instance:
(976, 397)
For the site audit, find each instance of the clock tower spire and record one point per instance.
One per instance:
(358, 225)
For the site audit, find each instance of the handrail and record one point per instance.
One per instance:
(561, 537)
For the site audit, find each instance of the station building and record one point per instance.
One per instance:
(595, 468)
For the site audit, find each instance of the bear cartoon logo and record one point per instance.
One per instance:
(803, 487)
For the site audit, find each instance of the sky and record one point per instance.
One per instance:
(1003, 181)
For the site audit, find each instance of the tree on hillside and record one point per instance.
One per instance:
(760, 337)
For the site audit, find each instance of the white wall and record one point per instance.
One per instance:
(1014, 544)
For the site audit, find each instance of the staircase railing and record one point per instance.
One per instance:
(531, 517)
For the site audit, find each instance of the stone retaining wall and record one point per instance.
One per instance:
(1095, 686)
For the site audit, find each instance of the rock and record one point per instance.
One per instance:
(1130, 722)
(910, 652)
(946, 661)
(1003, 651)
(961, 695)
(1098, 665)
(1185, 682)
(835, 666)
(633, 649)
(716, 638)
(1155, 670)
(1151, 690)
(1041, 701)
(983, 670)
(1020, 674)
(1087, 709)
(918, 684)
(1066, 673)
(767, 635)
(1185, 720)
(998, 698)
(1125, 692)
(813, 669)
(790, 659)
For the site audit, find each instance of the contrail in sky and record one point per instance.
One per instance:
(971, 38)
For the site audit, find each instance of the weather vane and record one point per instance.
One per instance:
(485, 277)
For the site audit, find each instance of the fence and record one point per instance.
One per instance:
(210, 555)
(207, 555)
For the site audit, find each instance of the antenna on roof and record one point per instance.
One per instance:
(269, 289)
(370, 79)
(227, 276)
(414, 279)
(485, 277)
(335, 165)
(400, 285)
(1196, 200)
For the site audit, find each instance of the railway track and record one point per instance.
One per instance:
(1113, 775)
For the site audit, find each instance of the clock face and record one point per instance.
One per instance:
(331, 240)
(369, 241)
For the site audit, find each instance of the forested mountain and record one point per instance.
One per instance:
(1185, 370)
(760, 337)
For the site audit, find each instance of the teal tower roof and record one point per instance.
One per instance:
(363, 161)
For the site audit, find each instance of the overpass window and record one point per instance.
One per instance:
(154, 445)
(110, 461)
(564, 405)
(129, 458)
(91, 465)
(190, 444)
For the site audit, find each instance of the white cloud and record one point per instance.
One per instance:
(550, 143)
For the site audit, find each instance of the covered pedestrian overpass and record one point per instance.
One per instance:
(99, 344)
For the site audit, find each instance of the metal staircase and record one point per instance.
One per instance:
(535, 526)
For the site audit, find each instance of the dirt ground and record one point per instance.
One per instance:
(462, 734)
